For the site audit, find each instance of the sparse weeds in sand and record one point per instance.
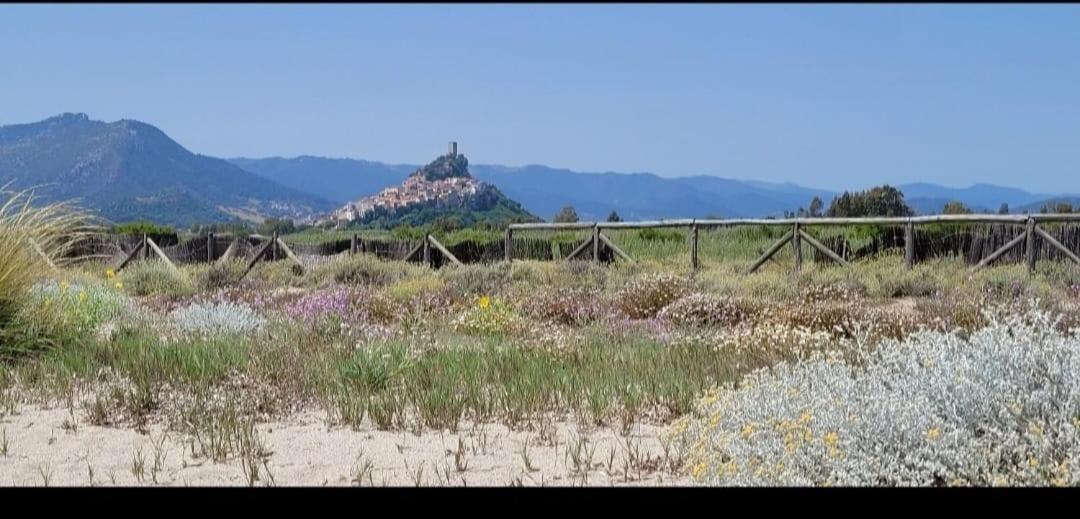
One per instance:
(581, 454)
(480, 439)
(256, 466)
(138, 464)
(363, 470)
(461, 463)
(417, 475)
(90, 473)
(4, 447)
(97, 411)
(70, 424)
(525, 459)
(45, 471)
(546, 430)
(221, 432)
(160, 453)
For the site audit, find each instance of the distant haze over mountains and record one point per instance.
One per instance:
(131, 170)
(544, 190)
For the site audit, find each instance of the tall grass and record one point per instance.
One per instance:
(33, 237)
(54, 228)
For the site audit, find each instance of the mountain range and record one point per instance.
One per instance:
(130, 170)
(635, 196)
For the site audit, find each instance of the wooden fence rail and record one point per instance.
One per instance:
(1032, 232)
(597, 244)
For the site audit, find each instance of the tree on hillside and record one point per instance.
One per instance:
(278, 225)
(614, 217)
(1004, 209)
(878, 201)
(956, 207)
(816, 205)
(566, 215)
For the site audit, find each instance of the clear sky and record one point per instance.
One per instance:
(832, 96)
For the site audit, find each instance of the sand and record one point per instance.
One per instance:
(43, 447)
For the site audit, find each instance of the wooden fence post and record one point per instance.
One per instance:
(427, 250)
(508, 248)
(352, 244)
(909, 245)
(1030, 239)
(145, 248)
(694, 247)
(210, 247)
(596, 243)
(796, 242)
(274, 247)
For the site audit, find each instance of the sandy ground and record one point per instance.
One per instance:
(42, 447)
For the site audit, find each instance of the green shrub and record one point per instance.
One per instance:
(154, 277)
(219, 275)
(645, 295)
(477, 279)
(366, 269)
(909, 285)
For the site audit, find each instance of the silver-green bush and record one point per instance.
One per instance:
(1001, 407)
(216, 319)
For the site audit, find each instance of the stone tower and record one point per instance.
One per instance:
(453, 148)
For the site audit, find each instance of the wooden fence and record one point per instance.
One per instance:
(598, 246)
(598, 240)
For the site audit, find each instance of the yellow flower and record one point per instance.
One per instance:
(747, 430)
(485, 302)
(82, 296)
(831, 439)
(64, 286)
(698, 470)
(119, 285)
(110, 273)
(933, 433)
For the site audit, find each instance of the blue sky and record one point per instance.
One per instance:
(832, 96)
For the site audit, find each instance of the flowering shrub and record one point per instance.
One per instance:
(488, 318)
(81, 306)
(216, 319)
(750, 347)
(846, 290)
(348, 304)
(316, 305)
(645, 295)
(703, 310)
(1001, 407)
(573, 306)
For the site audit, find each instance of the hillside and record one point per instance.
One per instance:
(442, 190)
(543, 190)
(337, 180)
(131, 170)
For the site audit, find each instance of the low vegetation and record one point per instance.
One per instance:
(821, 376)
